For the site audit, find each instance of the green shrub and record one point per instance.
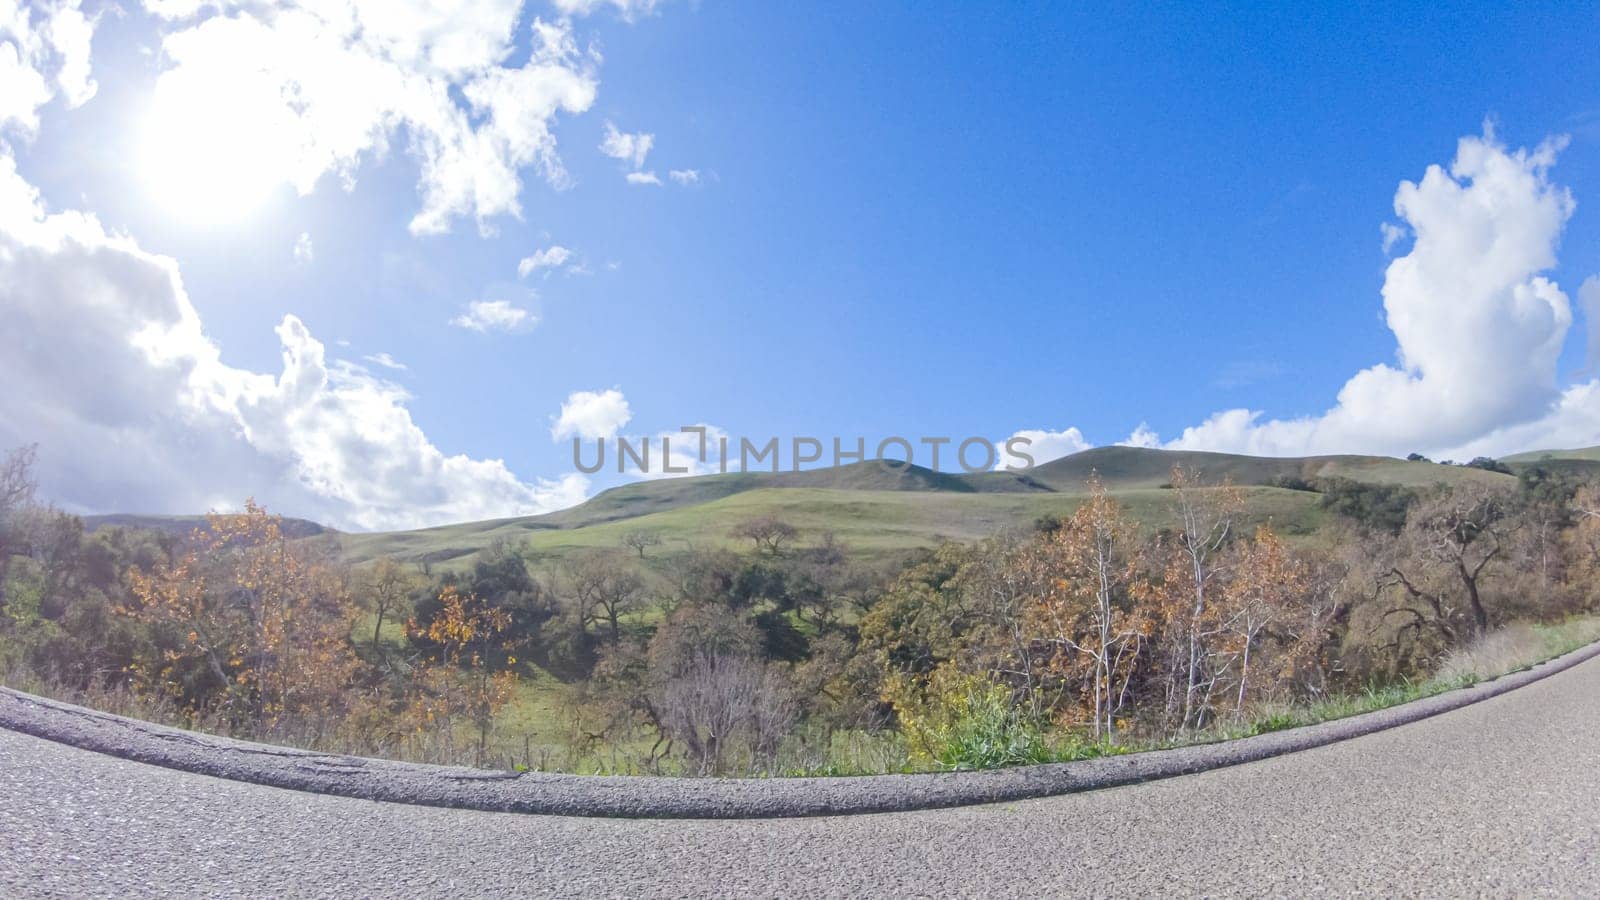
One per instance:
(956, 720)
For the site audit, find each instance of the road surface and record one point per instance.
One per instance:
(1501, 798)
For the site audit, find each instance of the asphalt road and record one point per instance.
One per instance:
(1501, 798)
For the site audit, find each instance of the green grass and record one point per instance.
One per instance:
(885, 512)
(876, 525)
(1588, 454)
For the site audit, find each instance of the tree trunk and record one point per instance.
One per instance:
(1480, 616)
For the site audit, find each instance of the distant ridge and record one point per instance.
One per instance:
(1585, 454)
(183, 525)
(895, 506)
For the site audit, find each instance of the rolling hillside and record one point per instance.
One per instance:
(888, 509)
(1584, 454)
(182, 525)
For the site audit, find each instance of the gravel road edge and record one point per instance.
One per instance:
(697, 798)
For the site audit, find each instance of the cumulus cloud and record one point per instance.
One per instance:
(44, 52)
(552, 257)
(161, 423)
(685, 176)
(643, 178)
(1142, 436)
(591, 415)
(484, 316)
(1478, 325)
(303, 251)
(1045, 446)
(286, 93)
(385, 360)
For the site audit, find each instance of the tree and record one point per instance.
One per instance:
(466, 630)
(259, 626)
(388, 587)
(1381, 507)
(768, 533)
(1267, 590)
(641, 541)
(1488, 464)
(711, 691)
(1204, 518)
(1457, 533)
(1085, 607)
(17, 487)
(603, 588)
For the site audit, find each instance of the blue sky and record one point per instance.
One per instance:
(917, 219)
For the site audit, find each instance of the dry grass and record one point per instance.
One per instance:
(1515, 647)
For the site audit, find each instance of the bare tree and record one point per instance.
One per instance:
(721, 703)
(768, 533)
(603, 588)
(641, 541)
(1205, 517)
(1457, 533)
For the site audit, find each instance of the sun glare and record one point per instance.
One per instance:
(212, 152)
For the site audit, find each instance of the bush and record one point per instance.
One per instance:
(1380, 507)
(1489, 464)
(962, 721)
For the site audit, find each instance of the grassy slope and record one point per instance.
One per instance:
(1589, 454)
(888, 510)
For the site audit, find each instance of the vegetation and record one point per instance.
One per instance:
(738, 634)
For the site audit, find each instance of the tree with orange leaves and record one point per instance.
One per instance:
(465, 674)
(1085, 609)
(257, 627)
(1267, 589)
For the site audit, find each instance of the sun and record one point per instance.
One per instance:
(214, 150)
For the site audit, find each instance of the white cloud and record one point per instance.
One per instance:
(591, 415)
(1589, 302)
(44, 51)
(161, 424)
(685, 453)
(284, 93)
(627, 9)
(1479, 327)
(643, 178)
(553, 257)
(1142, 436)
(303, 251)
(1392, 234)
(494, 315)
(685, 176)
(630, 148)
(1044, 446)
(385, 360)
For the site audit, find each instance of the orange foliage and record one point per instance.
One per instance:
(262, 626)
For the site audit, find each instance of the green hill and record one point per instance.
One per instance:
(1590, 454)
(884, 509)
